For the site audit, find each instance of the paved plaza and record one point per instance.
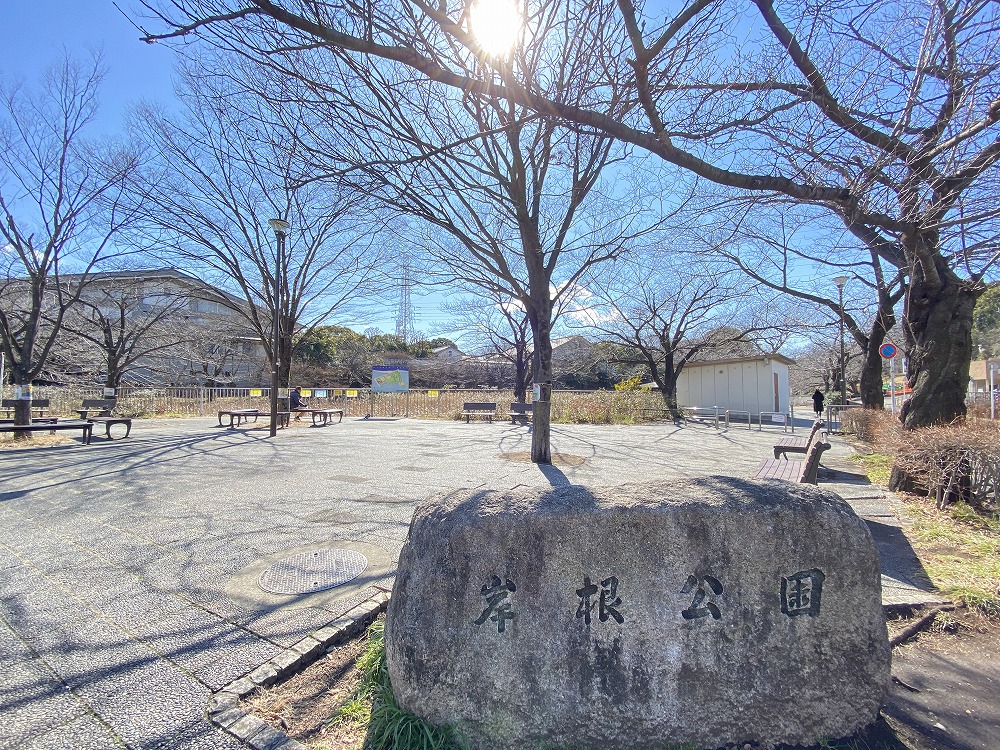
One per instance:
(128, 568)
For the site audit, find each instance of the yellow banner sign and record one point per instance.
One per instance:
(306, 392)
(256, 392)
(432, 394)
(352, 393)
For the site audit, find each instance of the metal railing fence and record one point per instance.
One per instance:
(598, 407)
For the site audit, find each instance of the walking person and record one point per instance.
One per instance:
(818, 399)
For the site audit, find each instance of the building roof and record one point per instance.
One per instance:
(148, 274)
(738, 360)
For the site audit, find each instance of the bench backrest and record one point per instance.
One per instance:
(10, 403)
(815, 428)
(99, 403)
(522, 408)
(810, 466)
(815, 435)
(479, 406)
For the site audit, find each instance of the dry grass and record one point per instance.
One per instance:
(960, 550)
(868, 425)
(10, 441)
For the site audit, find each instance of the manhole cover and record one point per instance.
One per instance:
(313, 571)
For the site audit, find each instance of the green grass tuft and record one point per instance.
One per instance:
(877, 466)
(389, 726)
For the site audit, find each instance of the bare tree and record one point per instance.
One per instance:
(511, 198)
(222, 172)
(885, 114)
(121, 325)
(792, 253)
(511, 204)
(500, 332)
(59, 194)
(665, 314)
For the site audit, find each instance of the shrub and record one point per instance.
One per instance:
(953, 463)
(629, 384)
(868, 425)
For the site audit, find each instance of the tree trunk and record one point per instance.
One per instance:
(522, 376)
(22, 409)
(542, 410)
(667, 384)
(938, 331)
(871, 372)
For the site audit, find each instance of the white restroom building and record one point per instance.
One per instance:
(752, 384)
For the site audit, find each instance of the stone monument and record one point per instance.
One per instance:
(704, 611)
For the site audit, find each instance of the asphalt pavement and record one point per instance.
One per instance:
(129, 569)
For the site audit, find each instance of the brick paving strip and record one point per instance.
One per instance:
(223, 709)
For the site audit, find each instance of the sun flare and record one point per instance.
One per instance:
(496, 25)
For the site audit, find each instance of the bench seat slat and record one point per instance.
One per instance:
(86, 428)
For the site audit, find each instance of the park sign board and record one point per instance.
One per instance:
(390, 379)
(708, 612)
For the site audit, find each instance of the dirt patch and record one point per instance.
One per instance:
(945, 692)
(302, 706)
(558, 459)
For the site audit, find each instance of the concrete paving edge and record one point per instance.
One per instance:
(223, 707)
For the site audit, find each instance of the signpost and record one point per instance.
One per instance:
(889, 352)
(390, 379)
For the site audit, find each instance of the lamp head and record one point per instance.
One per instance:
(840, 281)
(280, 226)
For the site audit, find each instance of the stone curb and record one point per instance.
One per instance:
(223, 707)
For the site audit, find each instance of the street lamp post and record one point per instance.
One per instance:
(280, 227)
(841, 281)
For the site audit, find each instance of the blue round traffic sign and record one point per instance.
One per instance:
(888, 351)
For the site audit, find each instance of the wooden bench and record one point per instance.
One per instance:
(86, 428)
(472, 409)
(38, 405)
(98, 411)
(803, 472)
(101, 407)
(798, 444)
(321, 417)
(520, 412)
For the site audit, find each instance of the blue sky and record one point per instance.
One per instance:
(34, 34)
